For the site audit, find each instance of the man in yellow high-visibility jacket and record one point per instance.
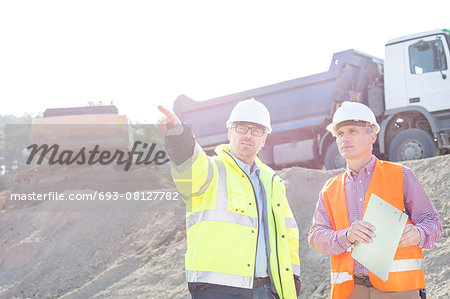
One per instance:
(242, 238)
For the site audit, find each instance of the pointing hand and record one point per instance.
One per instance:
(169, 124)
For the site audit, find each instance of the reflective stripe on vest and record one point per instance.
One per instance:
(232, 280)
(406, 265)
(222, 193)
(220, 216)
(340, 277)
(207, 181)
(296, 269)
(290, 223)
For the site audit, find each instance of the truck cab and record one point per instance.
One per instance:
(416, 120)
(423, 57)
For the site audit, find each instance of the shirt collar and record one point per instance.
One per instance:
(366, 170)
(245, 167)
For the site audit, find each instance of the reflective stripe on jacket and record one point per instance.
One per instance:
(407, 270)
(222, 223)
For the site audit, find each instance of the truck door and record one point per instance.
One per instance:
(428, 59)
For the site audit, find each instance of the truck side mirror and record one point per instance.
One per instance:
(421, 46)
(437, 57)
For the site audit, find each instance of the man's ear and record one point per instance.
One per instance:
(229, 134)
(373, 137)
(264, 141)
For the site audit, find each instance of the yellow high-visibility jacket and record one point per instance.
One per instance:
(222, 223)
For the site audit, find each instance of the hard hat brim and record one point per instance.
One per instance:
(332, 127)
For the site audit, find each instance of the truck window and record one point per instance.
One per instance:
(425, 57)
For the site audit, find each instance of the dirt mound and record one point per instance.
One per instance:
(49, 253)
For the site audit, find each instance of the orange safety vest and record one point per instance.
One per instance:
(407, 271)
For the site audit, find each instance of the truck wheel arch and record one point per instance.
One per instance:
(325, 141)
(386, 124)
(332, 158)
(411, 144)
(328, 150)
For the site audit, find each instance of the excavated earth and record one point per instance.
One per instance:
(54, 251)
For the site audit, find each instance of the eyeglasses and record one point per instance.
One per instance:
(255, 131)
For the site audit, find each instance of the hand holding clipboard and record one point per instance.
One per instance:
(389, 222)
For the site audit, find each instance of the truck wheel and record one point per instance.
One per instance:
(333, 159)
(411, 144)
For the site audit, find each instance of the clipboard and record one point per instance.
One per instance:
(389, 222)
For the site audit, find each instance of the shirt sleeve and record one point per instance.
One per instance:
(322, 237)
(180, 147)
(421, 210)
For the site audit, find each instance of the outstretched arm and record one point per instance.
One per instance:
(185, 155)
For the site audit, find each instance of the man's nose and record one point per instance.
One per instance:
(345, 137)
(249, 133)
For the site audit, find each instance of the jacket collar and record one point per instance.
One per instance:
(365, 171)
(223, 152)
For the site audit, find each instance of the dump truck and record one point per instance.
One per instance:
(409, 92)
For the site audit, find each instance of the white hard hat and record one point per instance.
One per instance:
(352, 111)
(250, 111)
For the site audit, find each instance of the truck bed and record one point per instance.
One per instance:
(306, 102)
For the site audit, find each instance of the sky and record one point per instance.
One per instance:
(140, 54)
